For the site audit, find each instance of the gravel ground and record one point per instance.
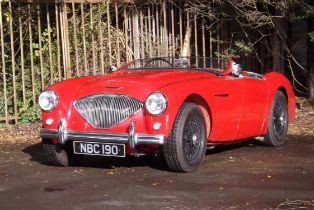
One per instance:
(239, 176)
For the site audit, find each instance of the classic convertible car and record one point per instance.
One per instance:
(175, 106)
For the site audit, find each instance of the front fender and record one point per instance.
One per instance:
(66, 91)
(176, 95)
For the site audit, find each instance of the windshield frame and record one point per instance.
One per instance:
(186, 66)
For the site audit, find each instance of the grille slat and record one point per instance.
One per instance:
(107, 110)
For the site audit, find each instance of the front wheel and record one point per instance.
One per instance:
(278, 122)
(186, 146)
(58, 155)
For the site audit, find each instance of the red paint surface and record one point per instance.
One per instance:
(237, 107)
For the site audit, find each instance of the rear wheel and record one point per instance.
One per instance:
(186, 146)
(278, 122)
(58, 155)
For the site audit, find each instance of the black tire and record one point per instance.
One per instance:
(58, 155)
(278, 122)
(186, 146)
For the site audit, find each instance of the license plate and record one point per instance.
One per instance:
(95, 148)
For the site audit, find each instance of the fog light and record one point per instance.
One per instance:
(49, 121)
(157, 126)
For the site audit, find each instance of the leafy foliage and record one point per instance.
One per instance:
(311, 36)
(30, 115)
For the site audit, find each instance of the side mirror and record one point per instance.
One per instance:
(236, 69)
(112, 69)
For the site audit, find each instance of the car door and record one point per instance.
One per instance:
(226, 98)
(254, 107)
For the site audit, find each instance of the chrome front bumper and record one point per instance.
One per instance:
(132, 138)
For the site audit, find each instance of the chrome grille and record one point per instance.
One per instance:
(107, 110)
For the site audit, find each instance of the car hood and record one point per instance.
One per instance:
(136, 83)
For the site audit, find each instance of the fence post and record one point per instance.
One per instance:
(109, 33)
(157, 31)
(218, 47)
(58, 41)
(63, 45)
(172, 31)
(49, 44)
(40, 47)
(92, 34)
(203, 43)
(13, 63)
(3, 68)
(126, 31)
(22, 54)
(65, 14)
(117, 32)
(65, 41)
(180, 28)
(142, 34)
(195, 39)
(150, 32)
(211, 46)
(75, 39)
(165, 36)
(31, 52)
(134, 35)
(101, 46)
(84, 39)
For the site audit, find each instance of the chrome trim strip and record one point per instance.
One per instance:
(133, 140)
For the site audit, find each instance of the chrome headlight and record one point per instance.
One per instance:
(48, 100)
(156, 103)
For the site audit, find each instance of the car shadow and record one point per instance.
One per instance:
(36, 153)
(234, 145)
(156, 162)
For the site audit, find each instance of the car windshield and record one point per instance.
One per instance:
(190, 63)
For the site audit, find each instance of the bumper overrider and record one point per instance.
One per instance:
(132, 138)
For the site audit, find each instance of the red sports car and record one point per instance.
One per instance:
(177, 106)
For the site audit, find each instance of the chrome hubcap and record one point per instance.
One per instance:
(194, 138)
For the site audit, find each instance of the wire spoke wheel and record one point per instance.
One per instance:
(279, 119)
(278, 122)
(191, 138)
(186, 146)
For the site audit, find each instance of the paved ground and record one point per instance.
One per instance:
(241, 176)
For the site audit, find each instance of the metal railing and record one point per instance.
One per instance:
(43, 42)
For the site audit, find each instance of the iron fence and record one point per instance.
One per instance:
(43, 42)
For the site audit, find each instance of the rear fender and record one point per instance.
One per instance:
(278, 81)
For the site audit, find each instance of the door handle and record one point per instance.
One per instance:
(222, 94)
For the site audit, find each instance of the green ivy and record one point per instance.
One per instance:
(311, 36)
(30, 114)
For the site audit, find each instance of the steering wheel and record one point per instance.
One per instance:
(158, 59)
